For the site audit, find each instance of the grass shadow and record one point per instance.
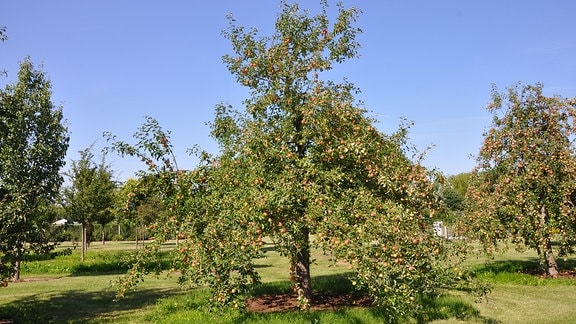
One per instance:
(117, 267)
(78, 306)
(261, 266)
(523, 272)
(117, 263)
(268, 248)
(334, 284)
(451, 307)
(530, 265)
(567, 264)
(508, 266)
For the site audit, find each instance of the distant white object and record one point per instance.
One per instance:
(60, 222)
(438, 228)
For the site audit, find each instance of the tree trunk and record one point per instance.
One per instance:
(17, 264)
(301, 264)
(136, 236)
(83, 242)
(550, 265)
(103, 235)
(301, 268)
(16, 271)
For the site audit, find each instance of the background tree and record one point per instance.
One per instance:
(460, 182)
(33, 143)
(305, 159)
(90, 197)
(139, 206)
(104, 189)
(454, 191)
(152, 196)
(123, 209)
(160, 197)
(453, 195)
(524, 187)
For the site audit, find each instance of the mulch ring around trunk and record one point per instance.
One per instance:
(320, 301)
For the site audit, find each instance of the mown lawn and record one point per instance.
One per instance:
(64, 291)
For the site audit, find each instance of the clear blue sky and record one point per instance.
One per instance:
(433, 62)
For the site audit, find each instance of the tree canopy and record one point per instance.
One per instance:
(33, 144)
(454, 191)
(524, 187)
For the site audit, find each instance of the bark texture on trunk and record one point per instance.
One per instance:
(550, 266)
(83, 242)
(103, 235)
(16, 271)
(300, 263)
(18, 261)
(301, 268)
(136, 229)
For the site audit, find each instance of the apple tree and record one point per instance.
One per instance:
(162, 197)
(33, 144)
(303, 165)
(524, 187)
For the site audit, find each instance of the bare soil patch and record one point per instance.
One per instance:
(289, 302)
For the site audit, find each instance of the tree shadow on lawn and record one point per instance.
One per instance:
(79, 306)
(268, 248)
(118, 266)
(528, 266)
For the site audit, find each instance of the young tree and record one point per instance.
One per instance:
(124, 208)
(33, 143)
(524, 187)
(105, 187)
(139, 205)
(90, 197)
(303, 160)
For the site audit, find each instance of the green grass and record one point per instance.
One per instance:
(80, 299)
(189, 309)
(192, 308)
(63, 290)
(111, 261)
(514, 303)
